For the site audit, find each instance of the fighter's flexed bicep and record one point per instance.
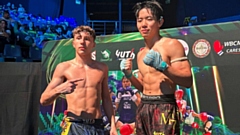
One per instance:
(178, 65)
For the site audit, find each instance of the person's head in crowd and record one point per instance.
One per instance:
(3, 28)
(21, 10)
(64, 27)
(42, 26)
(42, 37)
(44, 21)
(59, 29)
(27, 18)
(48, 28)
(21, 18)
(125, 82)
(3, 25)
(39, 32)
(30, 25)
(48, 21)
(13, 10)
(6, 14)
(8, 4)
(53, 23)
(33, 18)
(69, 34)
(65, 22)
(22, 27)
(12, 7)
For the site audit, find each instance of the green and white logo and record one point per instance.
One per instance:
(106, 55)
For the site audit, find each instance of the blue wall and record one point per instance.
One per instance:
(213, 9)
(71, 9)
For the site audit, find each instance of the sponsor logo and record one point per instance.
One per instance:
(201, 48)
(185, 46)
(228, 47)
(93, 55)
(106, 55)
(125, 54)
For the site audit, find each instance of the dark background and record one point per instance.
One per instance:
(20, 89)
(174, 10)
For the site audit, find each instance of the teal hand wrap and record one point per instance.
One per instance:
(122, 67)
(122, 64)
(128, 76)
(154, 59)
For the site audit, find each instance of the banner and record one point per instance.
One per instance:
(213, 51)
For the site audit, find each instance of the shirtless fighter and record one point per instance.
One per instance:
(162, 65)
(84, 83)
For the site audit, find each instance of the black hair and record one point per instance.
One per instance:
(1, 20)
(153, 5)
(6, 11)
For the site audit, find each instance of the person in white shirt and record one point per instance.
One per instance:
(188, 117)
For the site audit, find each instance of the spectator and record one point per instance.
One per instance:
(30, 26)
(68, 34)
(25, 40)
(21, 10)
(59, 32)
(13, 8)
(49, 29)
(4, 35)
(39, 40)
(6, 17)
(127, 100)
(8, 6)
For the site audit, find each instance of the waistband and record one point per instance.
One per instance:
(169, 98)
(77, 119)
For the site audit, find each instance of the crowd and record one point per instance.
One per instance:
(17, 27)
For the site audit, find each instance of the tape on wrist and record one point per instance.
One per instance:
(163, 66)
(128, 76)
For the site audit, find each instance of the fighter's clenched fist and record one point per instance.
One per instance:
(154, 59)
(126, 67)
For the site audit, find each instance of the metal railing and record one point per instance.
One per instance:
(106, 27)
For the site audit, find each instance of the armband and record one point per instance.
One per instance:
(178, 59)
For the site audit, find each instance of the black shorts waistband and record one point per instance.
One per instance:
(169, 98)
(77, 119)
